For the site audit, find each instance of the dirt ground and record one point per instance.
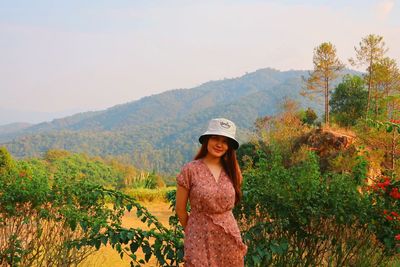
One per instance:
(108, 257)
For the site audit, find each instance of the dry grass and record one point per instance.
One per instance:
(108, 257)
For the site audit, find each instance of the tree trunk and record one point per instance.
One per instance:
(327, 102)
(369, 88)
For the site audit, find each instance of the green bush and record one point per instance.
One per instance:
(41, 214)
(295, 216)
(55, 214)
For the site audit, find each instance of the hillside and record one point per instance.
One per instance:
(160, 131)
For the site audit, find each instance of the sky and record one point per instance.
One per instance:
(74, 55)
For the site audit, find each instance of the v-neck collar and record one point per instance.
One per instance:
(212, 175)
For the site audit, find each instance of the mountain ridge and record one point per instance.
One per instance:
(160, 131)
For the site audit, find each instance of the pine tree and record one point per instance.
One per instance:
(370, 51)
(327, 68)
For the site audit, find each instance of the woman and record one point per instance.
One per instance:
(212, 183)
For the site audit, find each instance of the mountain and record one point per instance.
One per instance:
(9, 131)
(9, 116)
(160, 131)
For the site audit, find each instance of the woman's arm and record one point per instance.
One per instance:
(182, 195)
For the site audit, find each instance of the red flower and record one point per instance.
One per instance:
(389, 218)
(395, 214)
(397, 237)
(385, 212)
(395, 193)
(383, 185)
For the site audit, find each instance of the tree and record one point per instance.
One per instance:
(6, 161)
(371, 50)
(327, 67)
(349, 100)
(387, 78)
(309, 116)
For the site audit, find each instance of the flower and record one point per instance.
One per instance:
(394, 214)
(395, 193)
(389, 218)
(383, 185)
(397, 237)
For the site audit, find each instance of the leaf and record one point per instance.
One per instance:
(97, 244)
(118, 248)
(147, 257)
(389, 129)
(104, 240)
(134, 247)
(130, 235)
(256, 259)
(129, 207)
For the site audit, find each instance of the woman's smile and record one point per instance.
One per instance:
(217, 145)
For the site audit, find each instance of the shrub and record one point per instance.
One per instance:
(59, 218)
(295, 216)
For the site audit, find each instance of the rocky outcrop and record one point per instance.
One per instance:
(328, 144)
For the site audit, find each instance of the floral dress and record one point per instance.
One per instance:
(212, 236)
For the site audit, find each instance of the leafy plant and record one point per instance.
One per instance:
(297, 216)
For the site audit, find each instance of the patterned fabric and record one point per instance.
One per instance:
(212, 236)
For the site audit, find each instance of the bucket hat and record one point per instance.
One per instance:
(221, 126)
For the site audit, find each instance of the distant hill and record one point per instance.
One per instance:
(8, 131)
(160, 131)
(9, 116)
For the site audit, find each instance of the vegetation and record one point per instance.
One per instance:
(370, 52)
(327, 67)
(139, 134)
(314, 194)
(298, 216)
(57, 211)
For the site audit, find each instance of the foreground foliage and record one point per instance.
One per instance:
(295, 216)
(60, 219)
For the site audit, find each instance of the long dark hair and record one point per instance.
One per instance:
(230, 165)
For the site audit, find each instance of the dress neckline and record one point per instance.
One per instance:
(217, 180)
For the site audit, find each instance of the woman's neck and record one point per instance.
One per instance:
(212, 160)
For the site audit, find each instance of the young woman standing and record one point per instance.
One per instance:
(211, 182)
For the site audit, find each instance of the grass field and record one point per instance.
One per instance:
(107, 257)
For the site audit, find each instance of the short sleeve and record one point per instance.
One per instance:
(183, 178)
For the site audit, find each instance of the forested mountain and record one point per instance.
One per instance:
(160, 131)
(8, 131)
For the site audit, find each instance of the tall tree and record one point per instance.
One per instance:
(387, 79)
(327, 67)
(370, 51)
(348, 101)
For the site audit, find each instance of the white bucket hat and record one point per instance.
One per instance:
(222, 127)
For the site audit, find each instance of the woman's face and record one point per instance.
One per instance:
(217, 146)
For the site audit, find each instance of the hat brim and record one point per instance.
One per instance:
(234, 142)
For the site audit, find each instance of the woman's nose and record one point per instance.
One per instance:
(219, 142)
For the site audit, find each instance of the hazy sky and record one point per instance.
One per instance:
(86, 55)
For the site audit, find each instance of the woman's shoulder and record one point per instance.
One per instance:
(192, 164)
